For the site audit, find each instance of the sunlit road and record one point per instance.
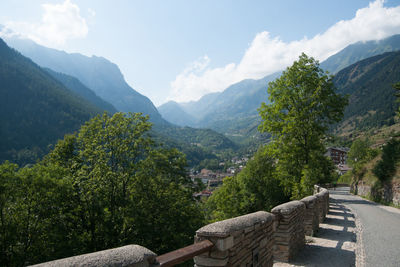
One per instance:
(380, 235)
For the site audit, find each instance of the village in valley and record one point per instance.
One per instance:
(212, 179)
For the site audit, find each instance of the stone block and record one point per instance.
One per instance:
(224, 244)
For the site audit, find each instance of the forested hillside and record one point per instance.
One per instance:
(97, 73)
(76, 86)
(35, 110)
(369, 83)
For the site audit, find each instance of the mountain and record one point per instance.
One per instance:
(35, 109)
(358, 51)
(372, 100)
(96, 73)
(219, 111)
(76, 86)
(176, 115)
(81, 73)
(233, 112)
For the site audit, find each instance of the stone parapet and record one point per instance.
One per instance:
(289, 234)
(322, 195)
(242, 241)
(131, 255)
(311, 217)
(255, 239)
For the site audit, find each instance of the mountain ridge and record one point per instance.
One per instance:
(97, 73)
(36, 109)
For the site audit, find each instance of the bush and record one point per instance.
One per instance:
(386, 167)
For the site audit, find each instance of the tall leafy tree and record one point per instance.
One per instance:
(303, 103)
(254, 188)
(106, 186)
(120, 176)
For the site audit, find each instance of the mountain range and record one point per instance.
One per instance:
(109, 87)
(233, 112)
(91, 85)
(96, 73)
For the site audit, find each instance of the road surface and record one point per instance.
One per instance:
(379, 237)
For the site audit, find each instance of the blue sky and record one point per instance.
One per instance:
(182, 49)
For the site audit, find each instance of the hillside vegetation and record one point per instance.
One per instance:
(35, 110)
(369, 83)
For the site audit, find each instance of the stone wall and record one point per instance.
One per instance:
(242, 241)
(289, 236)
(311, 218)
(255, 239)
(389, 192)
(322, 195)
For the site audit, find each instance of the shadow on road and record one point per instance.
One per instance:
(334, 243)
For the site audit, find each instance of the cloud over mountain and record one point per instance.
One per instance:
(268, 54)
(59, 23)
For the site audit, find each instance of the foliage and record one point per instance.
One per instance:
(346, 178)
(107, 186)
(360, 152)
(386, 167)
(254, 188)
(303, 105)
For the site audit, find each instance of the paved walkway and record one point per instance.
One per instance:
(355, 232)
(335, 242)
(380, 231)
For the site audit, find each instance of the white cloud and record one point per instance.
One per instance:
(267, 54)
(60, 22)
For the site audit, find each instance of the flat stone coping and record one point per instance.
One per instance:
(131, 255)
(226, 227)
(288, 207)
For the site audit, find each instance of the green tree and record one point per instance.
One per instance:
(303, 104)
(254, 188)
(106, 186)
(360, 152)
(386, 167)
(119, 176)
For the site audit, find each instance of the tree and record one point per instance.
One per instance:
(303, 104)
(254, 188)
(397, 87)
(120, 175)
(109, 185)
(360, 152)
(385, 168)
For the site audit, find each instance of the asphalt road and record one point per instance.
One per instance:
(380, 229)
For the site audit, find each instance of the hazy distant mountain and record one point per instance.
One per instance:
(224, 111)
(176, 115)
(97, 73)
(358, 51)
(35, 108)
(369, 83)
(76, 86)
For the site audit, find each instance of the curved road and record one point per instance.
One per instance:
(380, 235)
